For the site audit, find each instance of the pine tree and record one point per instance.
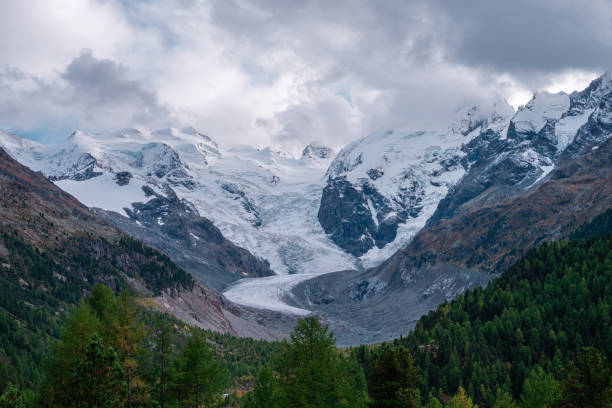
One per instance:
(99, 377)
(127, 333)
(588, 381)
(462, 400)
(163, 343)
(504, 400)
(265, 391)
(58, 387)
(434, 403)
(540, 390)
(199, 376)
(393, 379)
(311, 373)
(13, 397)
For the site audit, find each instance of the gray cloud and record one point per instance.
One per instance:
(276, 72)
(528, 38)
(93, 94)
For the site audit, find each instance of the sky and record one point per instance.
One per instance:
(284, 73)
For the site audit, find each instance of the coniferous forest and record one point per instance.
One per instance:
(537, 336)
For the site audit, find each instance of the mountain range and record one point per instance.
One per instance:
(370, 238)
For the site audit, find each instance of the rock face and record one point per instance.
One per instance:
(551, 128)
(367, 218)
(316, 150)
(384, 187)
(193, 242)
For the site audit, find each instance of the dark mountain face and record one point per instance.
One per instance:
(391, 182)
(345, 215)
(193, 242)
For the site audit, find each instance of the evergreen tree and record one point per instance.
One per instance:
(505, 400)
(311, 373)
(199, 377)
(265, 391)
(434, 403)
(103, 304)
(126, 334)
(58, 387)
(540, 390)
(163, 345)
(588, 382)
(99, 378)
(393, 379)
(462, 400)
(13, 397)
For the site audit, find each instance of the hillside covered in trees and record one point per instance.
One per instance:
(539, 314)
(538, 336)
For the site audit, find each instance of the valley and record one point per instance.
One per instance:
(401, 217)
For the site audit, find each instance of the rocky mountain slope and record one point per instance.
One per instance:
(548, 174)
(54, 249)
(382, 189)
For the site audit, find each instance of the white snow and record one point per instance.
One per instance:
(566, 128)
(542, 107)
(267, 201)
(271, 186)
(104, 192)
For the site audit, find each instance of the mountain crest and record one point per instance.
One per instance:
(317, 150)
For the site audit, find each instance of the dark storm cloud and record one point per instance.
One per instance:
(528, 37)
(104, 82)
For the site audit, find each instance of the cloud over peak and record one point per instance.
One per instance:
(282, 73)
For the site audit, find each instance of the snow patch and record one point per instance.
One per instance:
(542, 107)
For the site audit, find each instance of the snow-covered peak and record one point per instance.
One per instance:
(541, 108)
(466, 120)
(10, 142)
(471, 119)
(590, 97)
(317, 150)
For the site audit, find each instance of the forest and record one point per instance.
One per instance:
(537, 336)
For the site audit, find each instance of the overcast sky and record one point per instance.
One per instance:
(283, 73)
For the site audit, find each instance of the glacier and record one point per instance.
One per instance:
(268, 201)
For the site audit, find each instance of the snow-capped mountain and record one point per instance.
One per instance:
(264, 200)
(382, 189)
(535, 179)
(538, 137)
(317, 214)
